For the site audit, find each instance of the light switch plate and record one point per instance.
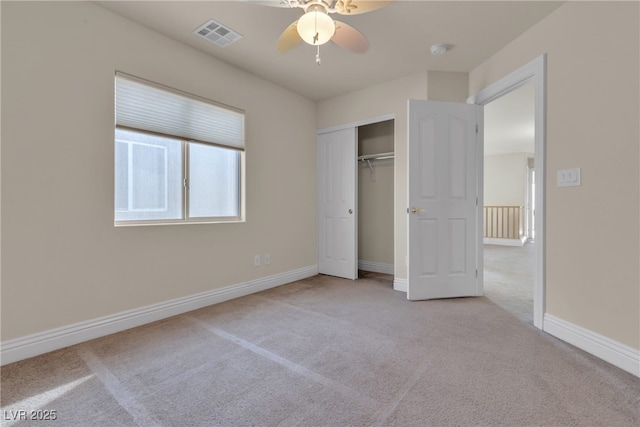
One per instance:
(569, 177)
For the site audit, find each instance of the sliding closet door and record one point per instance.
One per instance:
(337, 202)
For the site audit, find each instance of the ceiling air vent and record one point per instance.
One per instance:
(217, 33)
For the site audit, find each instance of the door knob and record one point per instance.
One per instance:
(416, 210)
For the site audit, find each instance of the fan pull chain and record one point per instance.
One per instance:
(318, 60)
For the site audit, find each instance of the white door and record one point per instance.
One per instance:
(337, 228)
(444, 216)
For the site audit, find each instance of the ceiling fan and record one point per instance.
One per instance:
(316, 27)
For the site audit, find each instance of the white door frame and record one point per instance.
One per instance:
(530, 214)
(534, 71)
(358, 123)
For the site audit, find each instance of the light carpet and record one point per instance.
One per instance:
(326, 352)
(508, 278)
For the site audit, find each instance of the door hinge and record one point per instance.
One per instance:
(476, 201)
(477, 128)
(476, 274)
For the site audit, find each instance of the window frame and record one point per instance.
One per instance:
(185, 164)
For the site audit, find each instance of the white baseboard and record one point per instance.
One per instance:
(400, 285)
(504, 242)
(618, 354)
(376, 267)
(54, 339)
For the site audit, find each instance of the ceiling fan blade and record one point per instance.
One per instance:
(349, 38)
(289, 38)
(355, 7)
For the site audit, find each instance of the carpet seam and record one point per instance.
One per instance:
(288, 364)
(117, 390)
(320, 314)
(385, 411)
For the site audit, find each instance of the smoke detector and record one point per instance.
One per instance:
(439, 49)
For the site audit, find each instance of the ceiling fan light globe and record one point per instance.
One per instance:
(316, 27)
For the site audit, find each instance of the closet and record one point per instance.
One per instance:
(376, 197)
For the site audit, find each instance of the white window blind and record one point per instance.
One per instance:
(147, 106)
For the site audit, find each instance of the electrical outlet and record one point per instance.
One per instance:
(256, 260)
(267, 259)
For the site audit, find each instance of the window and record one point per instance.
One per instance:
(178, 157)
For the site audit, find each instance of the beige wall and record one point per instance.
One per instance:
(62, 259)
(375, 194)
(447, 86)
(505, 179)
(592, 270)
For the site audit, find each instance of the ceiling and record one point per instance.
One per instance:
(399, 35)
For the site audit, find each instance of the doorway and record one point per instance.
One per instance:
(375, 197)
(532, 73)
(509, 151)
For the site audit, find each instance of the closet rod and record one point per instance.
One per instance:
(379, 156)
